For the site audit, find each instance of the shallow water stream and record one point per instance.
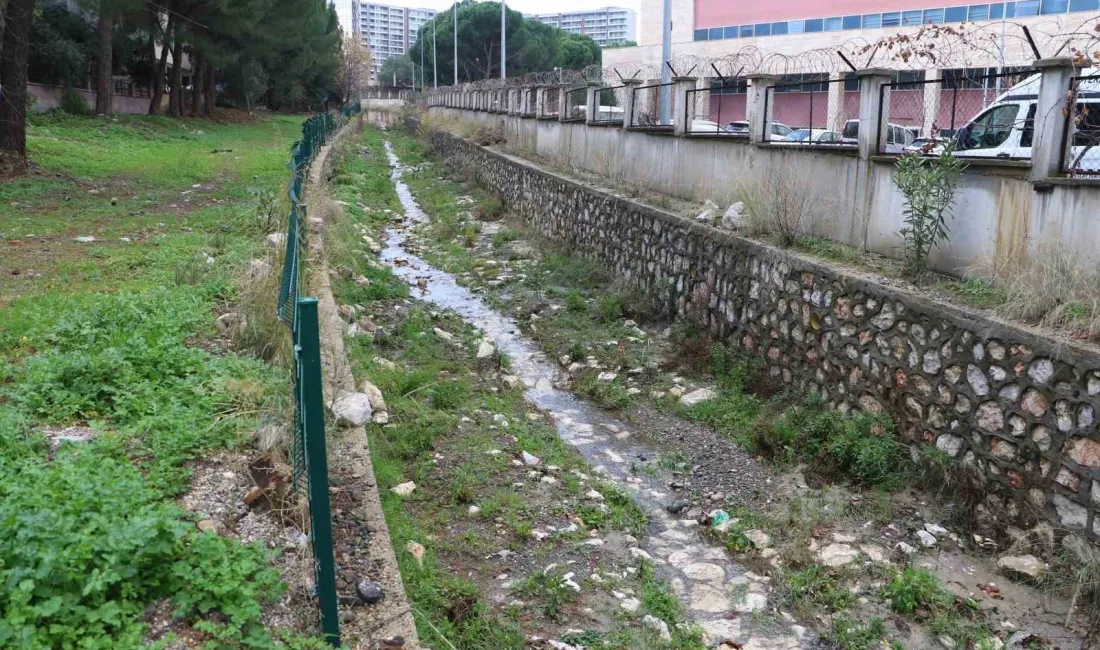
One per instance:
(716, 590)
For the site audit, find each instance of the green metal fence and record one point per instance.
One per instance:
(308, 452)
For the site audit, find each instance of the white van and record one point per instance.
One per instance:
(1007, 128)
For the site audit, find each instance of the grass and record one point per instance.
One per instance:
(119, 337)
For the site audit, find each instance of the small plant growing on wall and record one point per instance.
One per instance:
(929, 185)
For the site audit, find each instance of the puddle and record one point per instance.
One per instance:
(718, 592)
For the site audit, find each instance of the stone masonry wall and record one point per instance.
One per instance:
(1018, 408)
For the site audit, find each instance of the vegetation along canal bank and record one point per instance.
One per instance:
(795, 525)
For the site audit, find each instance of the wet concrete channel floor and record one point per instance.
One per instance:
(719, 593)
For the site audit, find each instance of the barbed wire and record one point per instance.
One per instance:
(963, 45)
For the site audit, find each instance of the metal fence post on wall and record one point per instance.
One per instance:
(1053, 140)
(311, 404)
(758, 107)
(874, 109)
(680, 87)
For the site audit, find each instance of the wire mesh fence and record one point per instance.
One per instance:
(970, 110)
(1083, 127)
(576, 104)
(308, 454)
(609, 105)
(652, 106)
(551, 99)
(812, 110)
(718, 109)
(530, 102)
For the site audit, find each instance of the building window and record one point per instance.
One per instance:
(729, 87)
(978, 12)
(872, 21)
(796, 26)
(815, 25)
(834, 24)
(955, 15)
(1055, 6)
(715, 33)
(851, 82)
(803, 83)
(892, 19)
(1084, 5)
(909, 79)
(700, 34)
(778, 29)
(911, 17)
(763, 29)
(1027, 8)
(746, 31)
(853, 22)
(933, 16)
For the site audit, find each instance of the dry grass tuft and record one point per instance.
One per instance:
(1051, 288)
(781, 204)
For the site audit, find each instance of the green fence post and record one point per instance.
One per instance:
(313, 424)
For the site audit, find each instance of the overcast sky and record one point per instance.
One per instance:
(526, 6)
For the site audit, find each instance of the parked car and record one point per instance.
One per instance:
(897, 136)
(813, 136)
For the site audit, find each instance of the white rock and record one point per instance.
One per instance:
(734, 216)
(485, 350)
(658, 626)
(593, 495)
(698, 397)
(404, 489)
(837, 555)
(276, 239)
(530, 460)
(936, 529)
(759, 538)
(606, 377)
(926, 538)
(446, 336)
(385, 363)
(258, 269)
(351, 409)
(231, 324)
(905, 548)
(630, 604)
(473, 511)
(1022, 566)
(85, 239)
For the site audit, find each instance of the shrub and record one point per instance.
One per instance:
(575, 302)
(929, 187)
(912, 590)
(608, 308)
(73, 102)
(849, 634)
(781, 204)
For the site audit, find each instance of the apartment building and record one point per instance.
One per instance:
(606, 26)
(387, 30)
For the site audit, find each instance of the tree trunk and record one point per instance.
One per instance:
(13, 72)
(175, 101)
(156, 104)
(196, 82)
(209, 94)
(104, 68)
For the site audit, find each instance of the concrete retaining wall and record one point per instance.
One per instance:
(48, 97)
(998, 212)
(1016, 407)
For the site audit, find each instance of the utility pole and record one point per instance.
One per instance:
(420, 44)
(455, 9)
(435, 58)
(503, 39)
(666, 56)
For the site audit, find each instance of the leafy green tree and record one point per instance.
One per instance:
(397, 71)
(64, 44)
(531, 45)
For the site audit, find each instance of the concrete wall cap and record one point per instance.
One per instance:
(875, 72)
(632, 82)
(683, 78)
(1061, 62)
(761, 76)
